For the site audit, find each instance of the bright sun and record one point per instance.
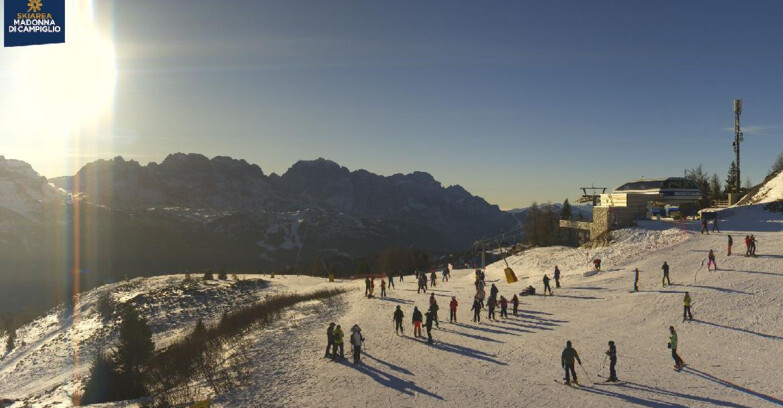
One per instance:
(64, 87)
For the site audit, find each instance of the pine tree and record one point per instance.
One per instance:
(529, 226)
(565, 213)
(715, 190)
(208, 275)
(134, 351)
(731, 178)
(102, 383)
(698, 176)
(222, 275)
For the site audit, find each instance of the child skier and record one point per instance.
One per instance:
(383, 288)
(417, 318)
(491, 303)
(476, 310)
(546, 285)
(711, 260)
(397, 317)
(356, 343)
(338, 343)
(503, 307)
(557, 277)
(453, 309)
(515, 304)
(686, 307)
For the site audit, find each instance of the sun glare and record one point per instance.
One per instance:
(65, 87)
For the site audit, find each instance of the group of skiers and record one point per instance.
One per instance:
(714, 226)
(335, 341)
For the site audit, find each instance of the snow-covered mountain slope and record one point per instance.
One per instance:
(22, 190)
(770, 190)
(731, 347)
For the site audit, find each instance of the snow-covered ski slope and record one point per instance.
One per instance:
(732, 348)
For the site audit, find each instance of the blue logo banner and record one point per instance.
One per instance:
(33, 22)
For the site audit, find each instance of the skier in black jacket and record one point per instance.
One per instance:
(546, 285)
(329, 339)
(428, 322)
(417, 318)
(397, 317)
(476, 310)
(567, 360)
(612, 353)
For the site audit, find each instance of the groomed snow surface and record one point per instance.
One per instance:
(732, 348)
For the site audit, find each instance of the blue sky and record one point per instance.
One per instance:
(515, 101)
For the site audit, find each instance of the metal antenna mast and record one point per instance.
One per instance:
(737, 139)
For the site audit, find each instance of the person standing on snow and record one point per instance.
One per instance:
(367, 286)
(383, 288)
(372, 287)
(711, 260)
(428, 323)
(338, 343)
(567, 361)
(329, 339)
(417, 318)
(665, 278)
(557, 277)
(612, 353)
(433, 279)
(480, 295)
(356, 342)
(546, 285)
(491, 303)
(434, 311)
(397, 317)
(678, 363)
(422, 285)
(747, 245)
(391, 281)
(752, 245)
(401, 275)
(515, 304)
(503, 307)
(445, 274)
(731, 241)
(686, 307)
(704, 226)
(636, 280)
(453, 309)
(715, 224)
(476, 310)
(493, 292)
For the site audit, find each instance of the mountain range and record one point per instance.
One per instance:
(120, 218)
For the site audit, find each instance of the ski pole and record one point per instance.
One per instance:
(586, 374)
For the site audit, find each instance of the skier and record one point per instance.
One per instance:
(752, 245)
(711, 260)
(731, 241)
(356, 342)
(678, 363)
(491, 303)
(338, 343)
(329, 339)
(567, 360)
(453, 309)
(372, 287)
(686, 310)
(546, 285)
(493, 292)
(612, 353)
(417, 318)
(480, 295)
(391, 281)
(665, 278)
(557, 277)
(597, 264)
(434, 311)
(397, 317)
(515, 304)
(704, 226)
(428, 323)
(445, 274)
(503, 307)
(747, 245)
(476, 310)
(433, 279)
(422, 285)
(401, 276)
(636, 280)
(383, 288)
(367, 286)
(715, 224)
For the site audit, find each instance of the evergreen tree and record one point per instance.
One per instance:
(715, 190)
(222, 275)
(777, 166)
(565, 213)
(698, 176)
(529, 225)
(731, 178)
(208, 275)
(134, 351)
(102, 383)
